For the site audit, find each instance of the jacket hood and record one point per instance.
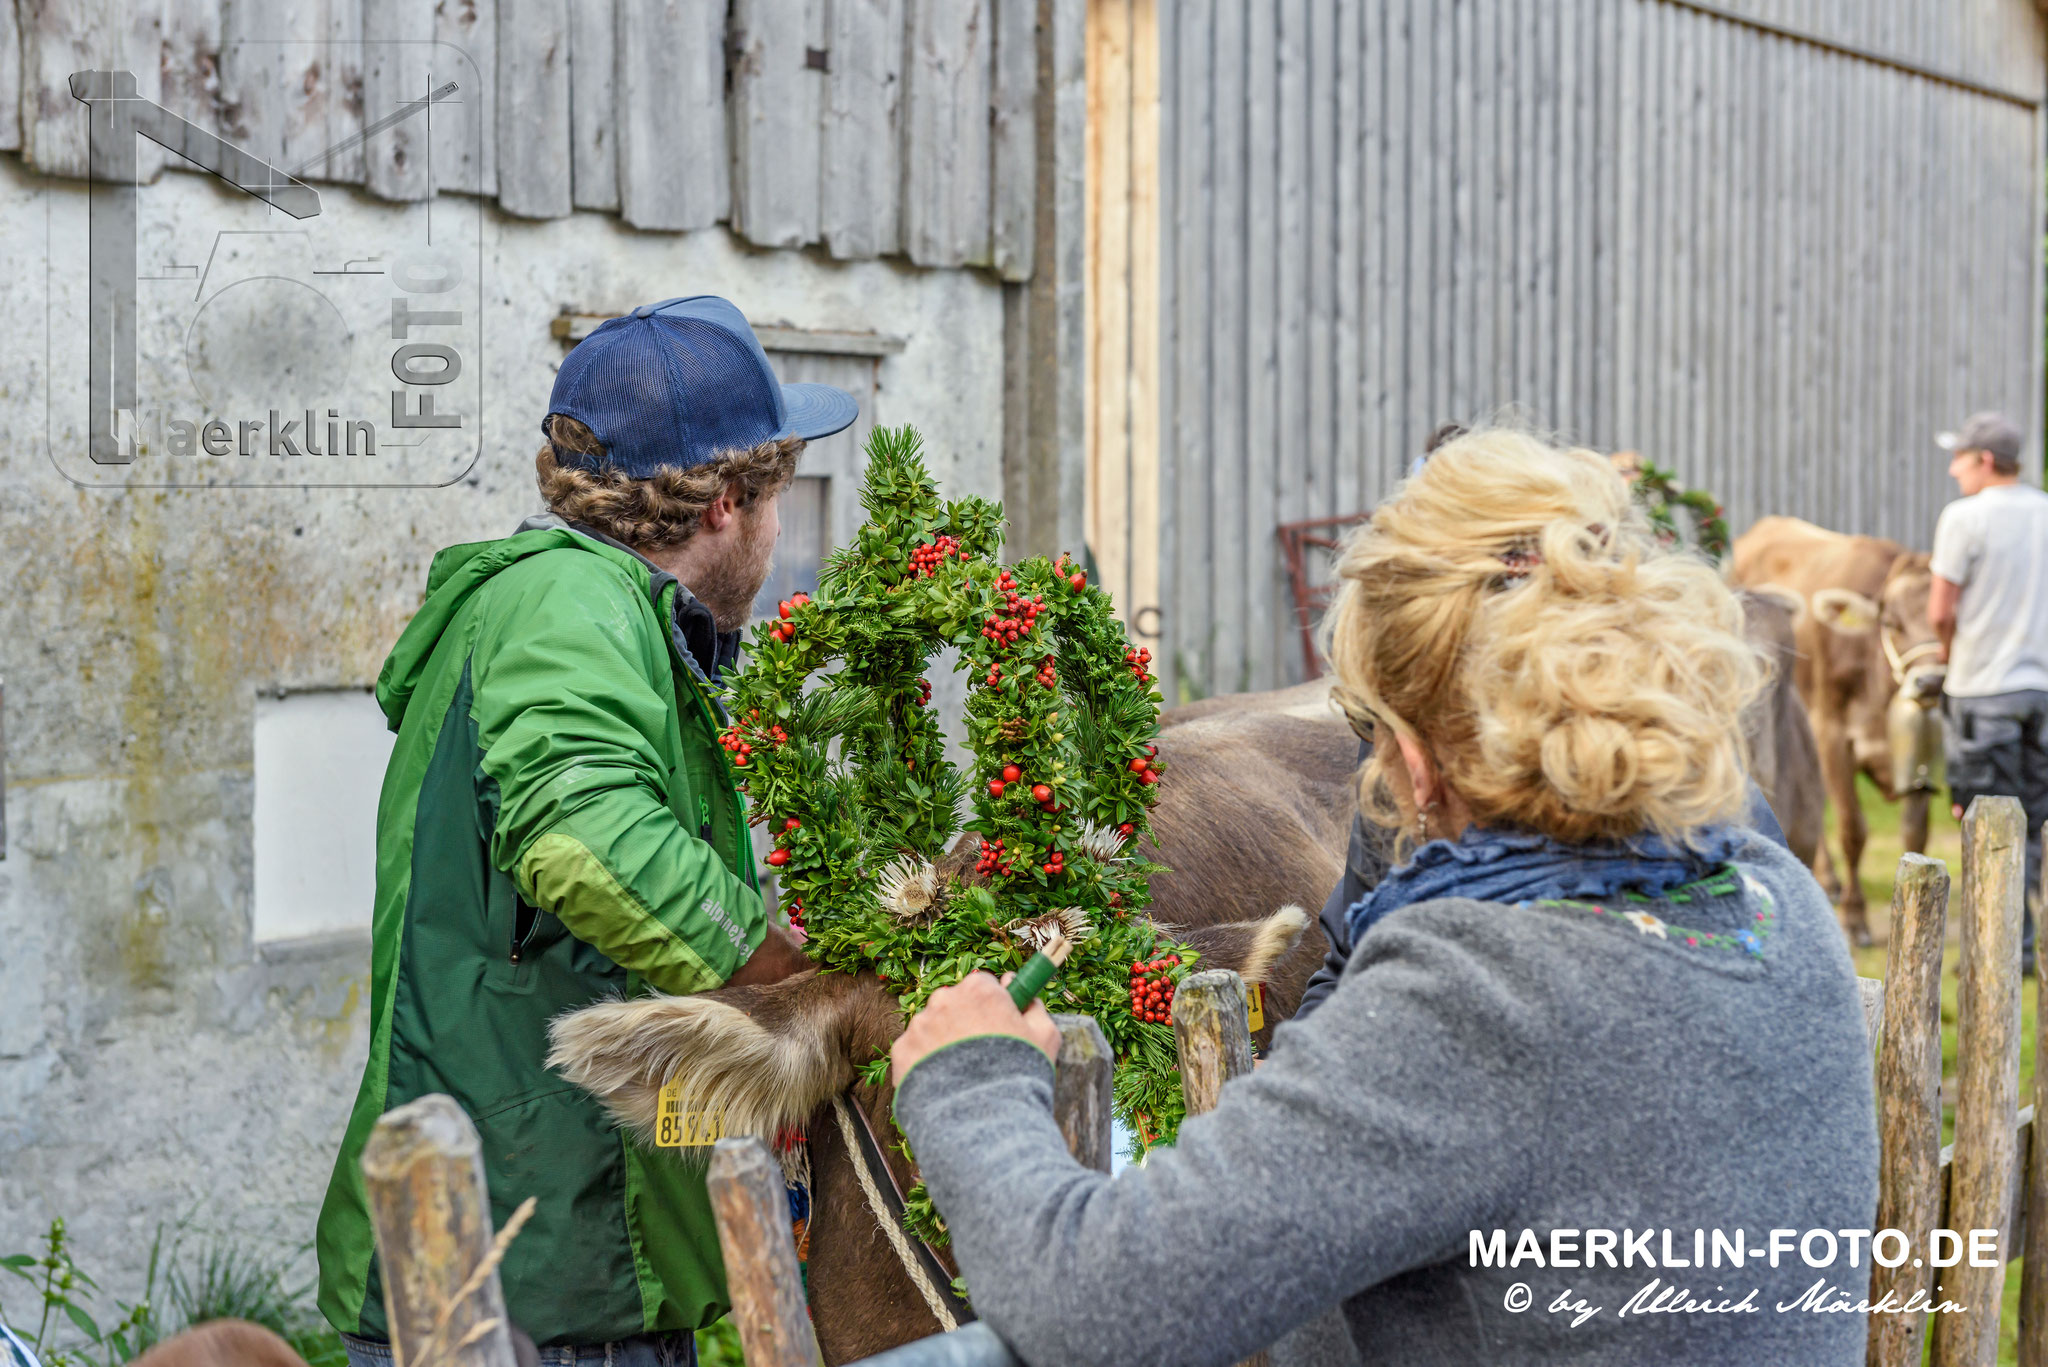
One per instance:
(456, 574)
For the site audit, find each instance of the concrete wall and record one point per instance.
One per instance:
(154, 1063)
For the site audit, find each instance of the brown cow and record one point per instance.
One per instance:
(1863, 640)
(1254, 810)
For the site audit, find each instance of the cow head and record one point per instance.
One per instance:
(1878, 648)
(765, 1058)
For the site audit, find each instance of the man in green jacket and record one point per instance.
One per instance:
(558, 824)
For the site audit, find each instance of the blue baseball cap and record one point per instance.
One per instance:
(680, 383)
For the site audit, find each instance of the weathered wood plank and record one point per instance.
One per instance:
(58, 37)
(761, 1272)
(859, 201)
(1233, 212)
(1013, 134)
(1987, 1071)
(777, 100)
(10, 80)
(1081, 1091)
(947, 79)
(397, 58)
(191, 62)
(593, 136)
(1909, 1097)
(1265, 248)
(465, 145)
(1191, 447)
(423, 1172)
(534, 155)
(1109, 295)
(670, 98)
(1142, 588)
(1348, 150)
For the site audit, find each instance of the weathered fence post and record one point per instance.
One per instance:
(1987, 1075)
(1082, 1089)
(423, 1171)
(1214, 1036)
(761, 1274)
(2033, 1326)
(1215, 1039)
(1909, 1100)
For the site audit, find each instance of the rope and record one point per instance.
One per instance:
(898, 1240)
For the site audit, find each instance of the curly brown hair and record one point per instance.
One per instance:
(665, 509)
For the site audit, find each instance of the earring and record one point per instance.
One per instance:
(1422, 823)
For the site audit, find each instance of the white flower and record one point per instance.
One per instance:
(1100, 843)
(1757, 890)
(1037, 931)
(1646, 923)
(908, 888)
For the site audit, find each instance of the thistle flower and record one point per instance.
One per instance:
(909, 888)
(1100, 843)
(1037, 931)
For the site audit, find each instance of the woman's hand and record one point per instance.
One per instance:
(976, 1005)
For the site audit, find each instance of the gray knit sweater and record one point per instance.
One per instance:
(1542, 1068)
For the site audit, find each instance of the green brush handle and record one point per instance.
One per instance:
(1031, 980)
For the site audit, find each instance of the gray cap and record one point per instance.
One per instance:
(1993, 432)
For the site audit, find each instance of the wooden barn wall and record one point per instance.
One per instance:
(866, 127)
(1774, 264)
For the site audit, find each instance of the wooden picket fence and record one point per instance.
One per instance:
(424, 1167)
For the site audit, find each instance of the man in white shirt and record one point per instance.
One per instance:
(1989, 606)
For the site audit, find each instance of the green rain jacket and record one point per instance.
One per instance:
(557, 825)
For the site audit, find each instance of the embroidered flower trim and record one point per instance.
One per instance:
(1723, 882)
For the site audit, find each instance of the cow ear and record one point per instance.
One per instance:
(1251, 948)
(1846, 611)
(755, 1060)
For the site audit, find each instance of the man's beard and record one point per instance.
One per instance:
(728, 587)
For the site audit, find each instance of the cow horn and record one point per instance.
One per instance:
(752, 1079)
(1846, 611)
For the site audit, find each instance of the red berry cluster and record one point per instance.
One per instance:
(1055, 864)
(785, 630)
(735, 740)
(926, 559)
(778, 857)
(993, 861)
(1046, 677)
(924, 692)
(1011, 773)
(1014, 618)
(1152, 989)
(795, 911)
(1142, 767)
(1138, 660)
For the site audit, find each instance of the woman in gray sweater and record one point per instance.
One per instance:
(1594, 1086)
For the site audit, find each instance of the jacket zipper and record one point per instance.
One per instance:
(525, 920)
(704, 817)
(742, 853)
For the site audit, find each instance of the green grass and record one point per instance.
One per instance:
(1880, 863)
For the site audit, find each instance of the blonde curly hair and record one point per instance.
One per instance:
(664, 510)
(1509, 610)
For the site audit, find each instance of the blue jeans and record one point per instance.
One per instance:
(674, 1349)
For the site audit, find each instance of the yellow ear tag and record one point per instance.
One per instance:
(1254, 1007)
(675, 1129)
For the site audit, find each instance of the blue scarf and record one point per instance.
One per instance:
(1518, 866)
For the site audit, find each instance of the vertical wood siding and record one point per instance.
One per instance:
(1774, 265)
(875, 127)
